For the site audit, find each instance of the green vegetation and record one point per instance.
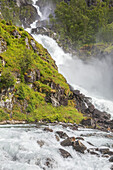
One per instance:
(17, 13)
(79, 24)
(22, 64)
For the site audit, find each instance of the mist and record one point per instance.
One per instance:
(95, 75)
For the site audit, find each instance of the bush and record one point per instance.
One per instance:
(7, 79)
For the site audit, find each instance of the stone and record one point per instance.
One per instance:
(100, 115)
(33, 45)
(37, 75)
(40, 142)
(62, 134)
(111, 167)
(64, 153)
(57, 138)
(111, 159)
(30, 77)
(78, 146)
(68, 141)
(48, 129)
(104, 150)
(79, 138)
(88, 122)
(3, 46)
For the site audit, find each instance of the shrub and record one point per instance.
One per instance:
(7, 79)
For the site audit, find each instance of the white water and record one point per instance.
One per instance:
(93, 78)
(19, 149)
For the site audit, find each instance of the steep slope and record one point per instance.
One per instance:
(30, 85)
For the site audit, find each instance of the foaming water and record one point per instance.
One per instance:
(19, 149)
(93, 78)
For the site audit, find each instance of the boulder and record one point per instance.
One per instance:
(68, 141)
(78, 146)
(104, 150)
(88, 122)
(111, 159)
(64, 153)
(62, 134)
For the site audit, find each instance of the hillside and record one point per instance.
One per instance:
(30, 85)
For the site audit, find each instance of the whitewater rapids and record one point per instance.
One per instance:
(19, 149)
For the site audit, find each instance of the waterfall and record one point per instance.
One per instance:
(93, 77)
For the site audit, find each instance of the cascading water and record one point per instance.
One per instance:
(93, 77)
(29, 147)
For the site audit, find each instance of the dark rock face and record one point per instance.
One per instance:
(58, 96)
(64, 153)
(62, 134)
(78, 146)
(96, 117)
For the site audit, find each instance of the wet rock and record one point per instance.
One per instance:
(111, 167)
(109, 153)
(90, 143)
(92, 152)
(79, 138)
(62, 134)
(78, 146)
(100, 115)
(64, 153)
(40, 142)
(105, 156)
(68, 141)
(57, 138)
(88, 122)
(111, 159)
(49, 163)
(48, 129)
(104, 150)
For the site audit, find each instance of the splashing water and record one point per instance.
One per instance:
(19, 149)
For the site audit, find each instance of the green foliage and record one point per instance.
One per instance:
(7, 79)
(79, 24)
(3, 115)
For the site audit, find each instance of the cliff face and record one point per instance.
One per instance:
(30, 86)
